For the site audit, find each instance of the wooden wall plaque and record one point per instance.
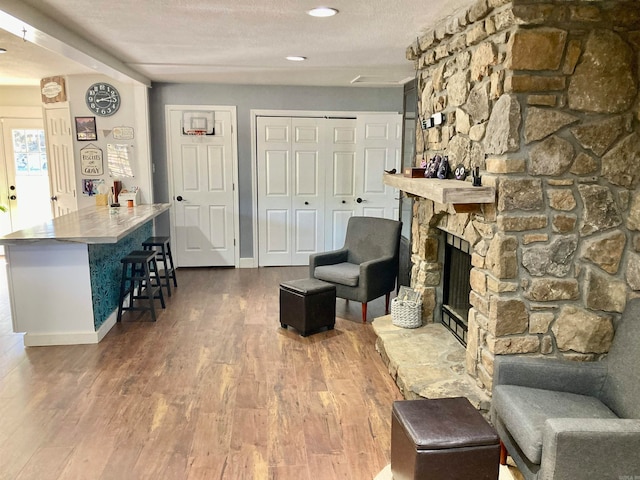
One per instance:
(53, 89)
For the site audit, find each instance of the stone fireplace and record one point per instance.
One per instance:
(543, 97)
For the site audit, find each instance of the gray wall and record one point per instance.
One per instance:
(246, 98)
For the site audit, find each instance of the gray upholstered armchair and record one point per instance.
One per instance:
(367, 266)
(570, 420)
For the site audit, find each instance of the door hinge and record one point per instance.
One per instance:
(234, 242)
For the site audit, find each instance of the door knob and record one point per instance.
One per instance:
(306, 203)
(179, 198)
(12, 187)
(359, 200)
(12, 197)
(344, 201)
(54, 198)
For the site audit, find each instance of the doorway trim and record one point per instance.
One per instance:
(232, 110)
(254, 114)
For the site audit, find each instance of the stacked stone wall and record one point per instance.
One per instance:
(543, 97)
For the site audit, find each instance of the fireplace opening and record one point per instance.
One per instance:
(456, 286)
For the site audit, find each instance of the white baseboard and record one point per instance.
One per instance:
(248, 262)
(70, 338)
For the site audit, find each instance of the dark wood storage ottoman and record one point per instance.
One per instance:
(442, 439)
(308, 305)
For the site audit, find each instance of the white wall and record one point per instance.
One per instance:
(133, 112)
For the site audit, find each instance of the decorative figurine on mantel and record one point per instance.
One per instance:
(437, 167)
(460, 172)
(477, 179)
(443, 168)
(432, 167)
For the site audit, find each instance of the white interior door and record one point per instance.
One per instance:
(379, 148)
(203, 190)
(62, 172)
(290, 189)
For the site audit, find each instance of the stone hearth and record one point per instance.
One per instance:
(427, 362)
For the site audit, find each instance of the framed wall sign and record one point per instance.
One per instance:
(91, 160)
(122, 133)
(86, 129)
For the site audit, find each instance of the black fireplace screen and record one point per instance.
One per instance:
(456, 287)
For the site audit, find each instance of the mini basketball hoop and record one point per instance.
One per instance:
(198, 123)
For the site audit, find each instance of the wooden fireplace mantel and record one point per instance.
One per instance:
(442, 191)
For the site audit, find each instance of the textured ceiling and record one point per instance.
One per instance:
(241, 41)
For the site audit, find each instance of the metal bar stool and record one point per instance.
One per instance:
(162, 247)
(137, 282)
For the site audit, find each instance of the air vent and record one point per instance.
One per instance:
(379, 80)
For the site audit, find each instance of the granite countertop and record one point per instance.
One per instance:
(89, 225)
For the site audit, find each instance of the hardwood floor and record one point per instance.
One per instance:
(215, 389)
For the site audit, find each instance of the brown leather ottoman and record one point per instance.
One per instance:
(442, 439)
(308, 305)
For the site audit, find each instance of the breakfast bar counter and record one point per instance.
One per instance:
(64, 274)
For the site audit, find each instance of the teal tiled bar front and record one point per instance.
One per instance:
(64, 275)
(105, 271)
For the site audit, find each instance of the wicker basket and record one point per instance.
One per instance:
(406, 314)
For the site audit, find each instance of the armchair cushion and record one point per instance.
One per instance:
(525, 411)
(344, 273)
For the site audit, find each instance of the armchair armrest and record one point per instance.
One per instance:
(327, 258)
(378, 276)
(590, 448)
(582, 378)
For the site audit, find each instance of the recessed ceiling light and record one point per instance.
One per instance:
(295, 58)
(322, 12)
(3, 50)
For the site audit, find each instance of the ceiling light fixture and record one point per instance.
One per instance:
(296, 58)
(3, 50)
(322, 12)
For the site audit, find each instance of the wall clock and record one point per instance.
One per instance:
(103, 99)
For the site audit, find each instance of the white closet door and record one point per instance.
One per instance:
(290, 190)
(340, 180)
(308, 200)
(316, 173)
(379, 148)
(274, 191)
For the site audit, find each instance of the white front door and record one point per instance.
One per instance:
(202, 172)
(24, 182)
(290, 189)
(62, 172)
(379, 148)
